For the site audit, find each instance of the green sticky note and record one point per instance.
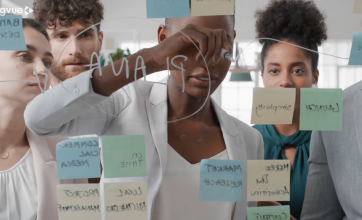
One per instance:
(269, 212)
(321, 109)
(124, 156)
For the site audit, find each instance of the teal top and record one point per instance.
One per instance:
(273, 150)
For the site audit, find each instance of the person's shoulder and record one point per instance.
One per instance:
(245, 129)
(350, 92)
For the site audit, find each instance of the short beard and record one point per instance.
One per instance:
(62, 74)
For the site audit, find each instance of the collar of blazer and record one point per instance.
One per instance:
(39, 147)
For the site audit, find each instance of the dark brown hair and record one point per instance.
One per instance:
(298, 21)
(49, 12)
(28, 22)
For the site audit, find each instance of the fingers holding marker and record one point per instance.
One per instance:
(217, 45)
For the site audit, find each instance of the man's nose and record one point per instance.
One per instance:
(74, 47)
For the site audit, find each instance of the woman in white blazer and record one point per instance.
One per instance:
(28, 175)
(107, 104)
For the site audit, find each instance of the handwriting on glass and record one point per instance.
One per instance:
(222, 182)
(71, 194)
(281, 216)
(10, 23)
(135, 161)
(323, 108)
(83, 154)
(271, 107)
(131, 194)
(263, 180)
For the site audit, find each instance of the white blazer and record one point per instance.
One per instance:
(45, 166)
(139, 108)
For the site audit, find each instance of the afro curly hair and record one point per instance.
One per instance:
(298, 21)
(49, 12)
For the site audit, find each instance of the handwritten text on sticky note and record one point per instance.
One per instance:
(124, 156)
(269, 212)
(214, 7)
(79, 201)
(321, 109)
(78, 158)
(355, 58)
(221, 180)
(273, 105)
(168, 8)
(11, 33)
(125, 200)
(268, 180)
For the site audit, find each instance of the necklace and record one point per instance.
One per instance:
(7, 151)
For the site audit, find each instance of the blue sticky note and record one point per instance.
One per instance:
(168, 8)
(78, 158)
(221, 180)
(11, 33)
(355, 57)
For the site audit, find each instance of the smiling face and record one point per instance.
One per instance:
(20, 65)
(286, 66)
(77, 53)
(196, 79)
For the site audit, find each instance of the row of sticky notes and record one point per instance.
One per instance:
(320, 109)
(123, 156)
(181, 8)
(127, 201)
(121, 201)
(220, 180)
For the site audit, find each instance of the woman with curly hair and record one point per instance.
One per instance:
(301, 23)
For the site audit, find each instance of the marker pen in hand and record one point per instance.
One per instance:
(227, 55)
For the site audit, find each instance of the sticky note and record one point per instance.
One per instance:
(168, 8)
(127, 200)
(11, 33)
(78, 158)
(321, 109)
(273, 105)
(221, 180)
(214, 7)
(269, 212)
(357, 8)
(268, 180)
(79, 201)
(124, 156)
(355, 58)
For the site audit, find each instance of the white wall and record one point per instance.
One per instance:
(340, 20)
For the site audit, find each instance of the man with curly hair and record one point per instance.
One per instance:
(64, 20)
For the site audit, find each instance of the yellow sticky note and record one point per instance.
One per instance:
(268, 180)
(79, 201)
(214, 7)
(357, 9)
(125, 200)
(273, 105)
